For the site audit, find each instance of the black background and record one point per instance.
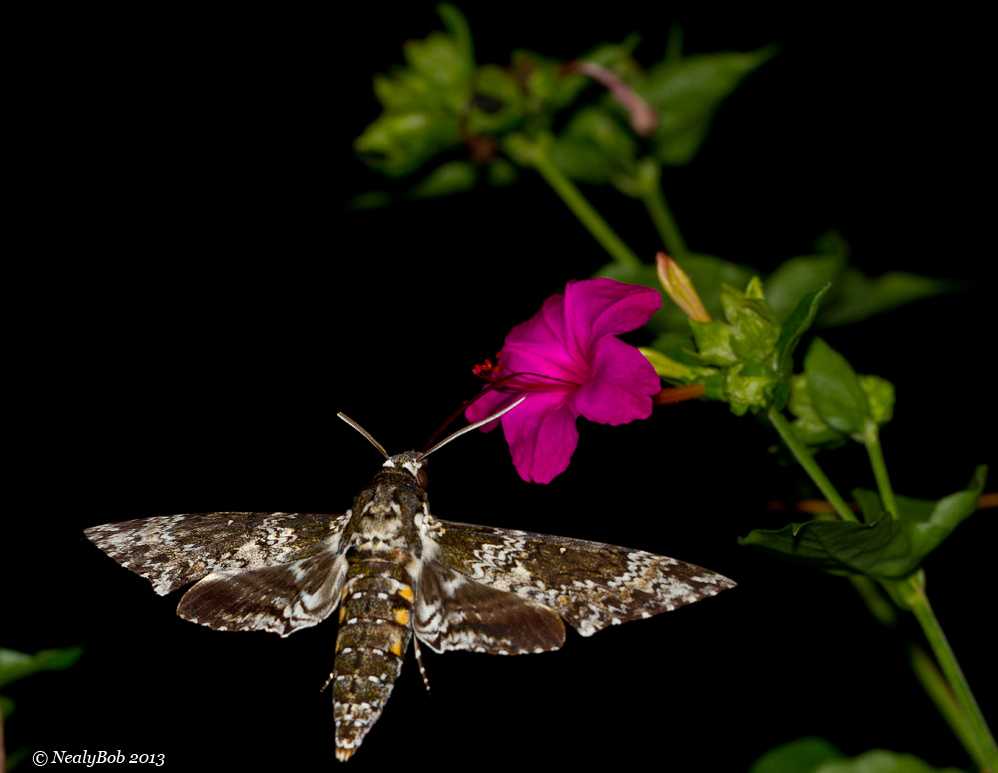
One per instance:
(197, 304)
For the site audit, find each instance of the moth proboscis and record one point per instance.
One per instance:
(395, 570)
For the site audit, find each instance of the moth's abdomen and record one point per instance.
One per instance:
(375, 628)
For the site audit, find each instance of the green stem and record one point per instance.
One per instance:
(985, 747)
(665, 223)
(804, 458)
(925, 670)
(934, 683)
(582, 209)
(871, 439)
(879, 606)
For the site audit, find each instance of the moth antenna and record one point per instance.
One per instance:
(461, 431)
(365, 433)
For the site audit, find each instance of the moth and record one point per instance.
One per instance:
(394, 570)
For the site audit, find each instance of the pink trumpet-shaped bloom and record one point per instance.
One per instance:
(570, 364)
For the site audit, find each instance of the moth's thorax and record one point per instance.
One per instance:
(383, 517)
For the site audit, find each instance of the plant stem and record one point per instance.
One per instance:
(880, 607)
(582, 209)
(925, 670)
(984, 748)
(934, 684)
(804, 458)
(665, 223)
(871, 439)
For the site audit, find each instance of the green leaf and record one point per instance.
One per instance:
(882, 548)
(750, 386)
(447, 179)
(678, 347)
(539, 78)
(808, 425)
(641, 181)
(929, 522)
(459, 30)
(403, 92)
(812, 430)
(609, 54)
(713, 340)
(796, 324)
(672, 369)
(836, 547)
(881, 761)
(594, 147)
(423, 102)
(687, 92)
(17, 665)
(498, 105)
(399, 143)
(800, 756)
(870, 506)
(834, 388)
(817, 435)
(879, 397)
(800, 276)
(853, 296)
(755, 330)
(440, 59)
(500, 172)
(857, 296)
(370, 200)
(6, 707)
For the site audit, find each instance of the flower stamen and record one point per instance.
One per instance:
(488, 371)
(523, 381)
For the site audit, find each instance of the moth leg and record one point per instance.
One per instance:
(422, 671)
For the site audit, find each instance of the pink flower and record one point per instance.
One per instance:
(570, 364)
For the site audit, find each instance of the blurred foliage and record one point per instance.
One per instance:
(817, 755)
(601, 119)
(441, 101)
(17, 665)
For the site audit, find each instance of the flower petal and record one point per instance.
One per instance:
(542, 436)
(542, 344)
(621, 384)
(569, 344)
(598, 307)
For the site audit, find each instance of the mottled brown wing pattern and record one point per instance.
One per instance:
(591, 584)
(395, 570)
(454, 612)
(173, 550)
(281, 599)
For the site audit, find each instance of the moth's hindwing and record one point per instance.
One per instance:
(590, 584)
(280, 599)
(453, 612)
(173, 550)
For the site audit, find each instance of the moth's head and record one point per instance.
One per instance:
(414, 462)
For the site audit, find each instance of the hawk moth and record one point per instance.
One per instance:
(395, 571)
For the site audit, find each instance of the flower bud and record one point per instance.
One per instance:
(679, 287)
